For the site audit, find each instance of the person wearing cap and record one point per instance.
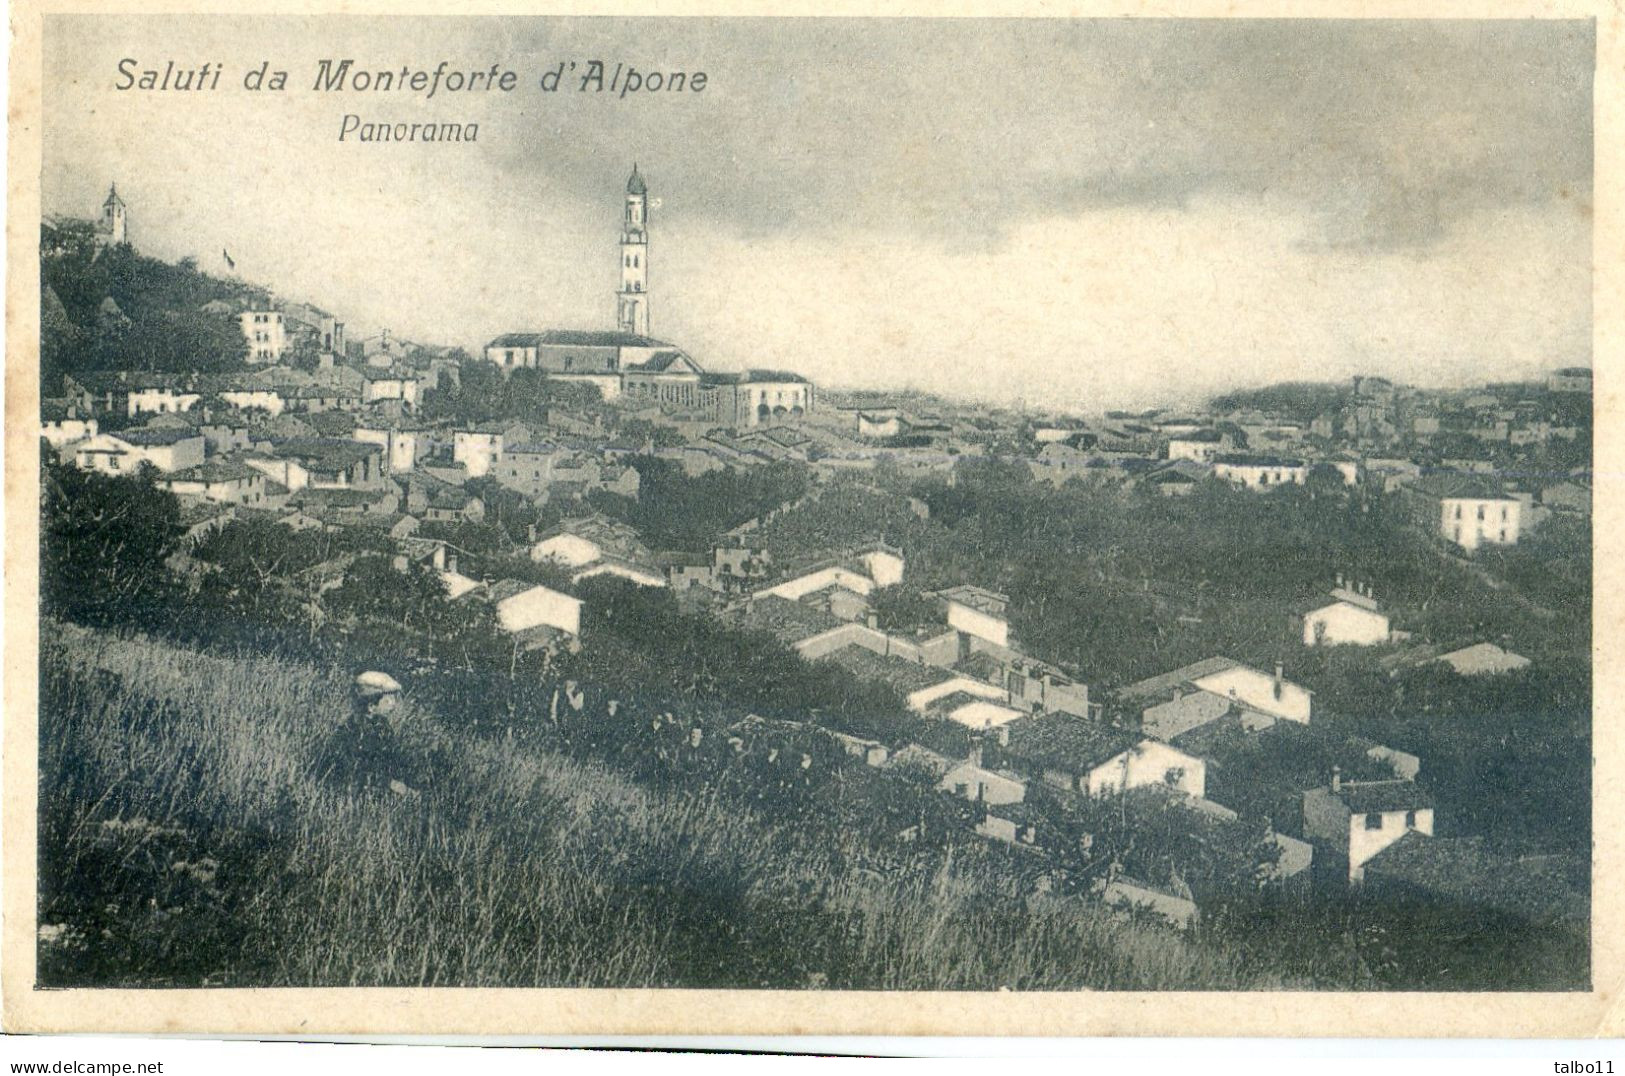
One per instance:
(367, 749)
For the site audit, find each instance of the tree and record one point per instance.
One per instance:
(103, 543)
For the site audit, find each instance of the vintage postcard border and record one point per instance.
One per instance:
(631, 1012)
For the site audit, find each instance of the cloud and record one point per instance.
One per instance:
(1087, 209)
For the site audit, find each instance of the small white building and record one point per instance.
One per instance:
(382, 385)
(1483, 659)
(977, 612)
(262, 398)
(1354, 820)
(218, 482)
(1351, 619)
(972, 781)
(480, 447)
(1272, 695)
(1199, 446)
(1259, 472)
(521, 606)
(162, 395)
(124, 452)
(60, 426)
(402, 445)
(1466, 510)
(1096, 759)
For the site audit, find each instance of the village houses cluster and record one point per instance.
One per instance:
(341, 442)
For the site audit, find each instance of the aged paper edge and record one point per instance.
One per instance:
(491, 1012)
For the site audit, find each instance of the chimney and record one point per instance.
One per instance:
(1337, 778)
(1339, 578)
(872, 619)
(1004, 735)
(1280, 683)
(975, 757)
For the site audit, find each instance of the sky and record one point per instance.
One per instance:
(1078, 214)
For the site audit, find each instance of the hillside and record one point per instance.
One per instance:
(114, 309)
(186, 840)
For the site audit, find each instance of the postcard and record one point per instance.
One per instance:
(593, 520)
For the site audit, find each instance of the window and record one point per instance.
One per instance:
(1458, 511)
(1373, 820)
(1410, 819)
(1503, 513)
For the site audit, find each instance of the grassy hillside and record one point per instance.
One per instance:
(186, 840)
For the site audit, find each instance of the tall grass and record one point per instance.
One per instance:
(187, 839)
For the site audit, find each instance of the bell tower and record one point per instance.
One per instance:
(632, 300)
(114, 222)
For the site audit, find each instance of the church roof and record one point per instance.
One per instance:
(576, 338)
(635, 184)
(112, 196)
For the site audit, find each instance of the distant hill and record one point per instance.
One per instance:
(110, 308)
(1300, 400)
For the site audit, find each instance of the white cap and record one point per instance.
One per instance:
(376, 683)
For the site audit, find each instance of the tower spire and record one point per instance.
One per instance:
(114, 223)
(632, 298)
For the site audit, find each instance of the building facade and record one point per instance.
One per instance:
(266, 334)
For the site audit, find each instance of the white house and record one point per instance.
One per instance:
(643, 577)
(973, 781)
(248, 397)
(402, 446)
(1259, 472)
(976, 612)
(1096, 759)
(1147, 762)
(378, 385)
(160, 396)
(521, 606)
(1273, 695)
(1354, 820)
(1199, 446)
(1467, 510)
(124, 452)
(478, 448)
(266, 334)
(839, 575)
(58, 427)
(1351, 619)
(219, 482)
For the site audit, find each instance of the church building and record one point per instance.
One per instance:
(628, 362)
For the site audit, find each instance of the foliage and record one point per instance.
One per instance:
(1301, 401)
(483, 393)
(902, 608)
(103, 543)
(676, 511)
(187, 839)
(160, 324)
